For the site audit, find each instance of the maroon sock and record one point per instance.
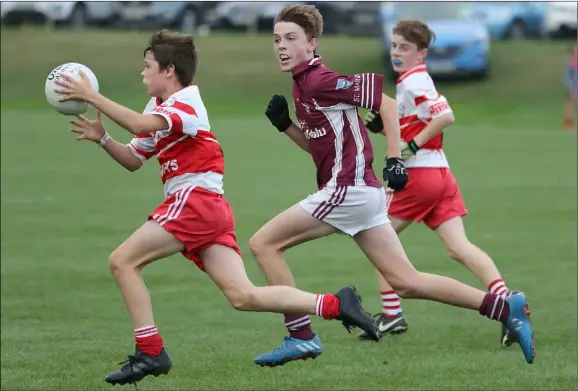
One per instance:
(299, 326)
(495, 307)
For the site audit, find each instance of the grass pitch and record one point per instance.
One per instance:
(65, 206)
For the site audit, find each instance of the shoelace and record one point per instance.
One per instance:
(283, 345)
(377, 316)
(130, 362)
(349, 327)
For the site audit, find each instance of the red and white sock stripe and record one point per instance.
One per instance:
(391, 303)
(144, 332)
(498, 287)
(319, 305)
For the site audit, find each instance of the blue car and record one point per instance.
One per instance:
(462, 45)
(512, 20)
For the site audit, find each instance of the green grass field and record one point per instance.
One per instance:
(65, 206)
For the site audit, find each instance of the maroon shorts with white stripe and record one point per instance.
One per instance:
(199, 219)
(350, 209)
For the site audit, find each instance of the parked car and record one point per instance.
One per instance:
(462, 44)
(74, 14)
(181, 15)
(237, 15)
(560, 20)
(512, 20)
(241, 15)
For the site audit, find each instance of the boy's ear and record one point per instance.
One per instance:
(313, 44)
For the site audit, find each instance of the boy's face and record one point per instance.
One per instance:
(404, 54)
(291, 45)
(153, 77)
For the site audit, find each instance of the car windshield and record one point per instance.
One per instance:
(431, 11)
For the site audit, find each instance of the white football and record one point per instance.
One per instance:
(71, 107)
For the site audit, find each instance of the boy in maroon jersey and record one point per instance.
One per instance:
(350, 199)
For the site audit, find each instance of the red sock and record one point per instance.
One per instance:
(498, 287)
(495, 307)
(299, 326)
(148, 340)
(327, 306)
(391, 304)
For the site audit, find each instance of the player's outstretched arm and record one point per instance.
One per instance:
(390, 119)
(122, 154)
(134, 122)
(130, 120)
(93, 130)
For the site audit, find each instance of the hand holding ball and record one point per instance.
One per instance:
(69, 86)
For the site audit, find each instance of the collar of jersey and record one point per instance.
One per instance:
(305, 66)
(159, 101)
(421, 67)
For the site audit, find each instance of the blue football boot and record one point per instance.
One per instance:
(290, 350)
(519, 326)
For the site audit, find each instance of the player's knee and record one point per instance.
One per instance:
(406, 286)
(115, 262)
(118, 262)
(259, 246)
(241, 299)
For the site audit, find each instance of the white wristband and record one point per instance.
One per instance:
(104, 139)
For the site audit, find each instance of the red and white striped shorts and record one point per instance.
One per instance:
(199, 219)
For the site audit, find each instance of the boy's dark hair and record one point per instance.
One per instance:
(307, 17)
(416, 32)
(171, 48)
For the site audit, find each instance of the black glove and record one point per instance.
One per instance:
(373, 121)
(278, 113)
(395, 173)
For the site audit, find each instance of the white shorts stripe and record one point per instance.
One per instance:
(176, 208)
(159, 219)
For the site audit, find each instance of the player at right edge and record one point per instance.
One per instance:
(432, 195)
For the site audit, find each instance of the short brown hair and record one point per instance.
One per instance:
(416, 32)
(171, 48)
(307, 17)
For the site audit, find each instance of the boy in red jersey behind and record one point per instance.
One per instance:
(432, 194)
(571, 85)
(195, 218)
(350, 199)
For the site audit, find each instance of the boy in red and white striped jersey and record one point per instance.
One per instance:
(195, 219)
(432, 194)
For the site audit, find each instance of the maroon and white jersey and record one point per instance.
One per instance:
(188, 152)
(326, 108)
(418, 102)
